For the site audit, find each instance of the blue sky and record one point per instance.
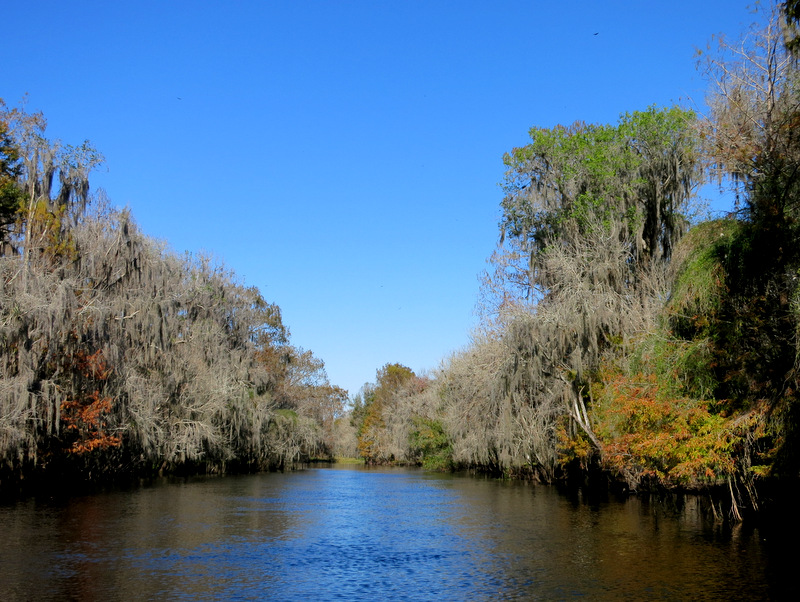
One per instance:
(344, 157)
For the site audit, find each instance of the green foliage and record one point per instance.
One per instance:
(699, 282)
(791, 11)
(638, 174)
(10, 193)
(693, 406)
(343, 460)
(729, 319)
(288, 415)
(430, 444)
(682, 353)
(751, 137)
(687, 409)
(683, 368)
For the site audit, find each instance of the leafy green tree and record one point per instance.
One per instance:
(639, 175)
(10, 169)
(430, 444)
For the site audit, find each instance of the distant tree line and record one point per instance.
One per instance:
(118, 356)
(624, 333)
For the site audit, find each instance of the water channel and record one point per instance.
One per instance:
(352, 533)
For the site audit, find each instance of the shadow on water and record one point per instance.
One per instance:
(356, 533)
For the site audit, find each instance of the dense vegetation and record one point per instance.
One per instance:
(119, 357)
(623, 335)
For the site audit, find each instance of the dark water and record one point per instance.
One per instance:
(359, 534)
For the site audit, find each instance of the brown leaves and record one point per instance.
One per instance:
(86, 413)
(86, 418)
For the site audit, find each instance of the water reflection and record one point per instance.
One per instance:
(358, 534)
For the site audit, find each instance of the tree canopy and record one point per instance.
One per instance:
(116, 355)
(634, 178)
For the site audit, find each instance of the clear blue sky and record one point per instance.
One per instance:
(344, 157)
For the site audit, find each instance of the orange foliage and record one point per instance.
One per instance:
(368, 444)
(84, 416)
(650, 436)
(573, 445)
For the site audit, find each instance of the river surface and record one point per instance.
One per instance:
(351, 533)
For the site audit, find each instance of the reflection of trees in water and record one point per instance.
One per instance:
(367, 534)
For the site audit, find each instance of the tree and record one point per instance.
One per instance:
(751, 132)
(709, 394)
(482, 434)
(304, 387)
(639, 174)
(590, 220)
(751, 136)
(53, 181)
(380, 405)
(10, 194)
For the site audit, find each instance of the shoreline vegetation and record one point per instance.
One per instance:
(627, 342)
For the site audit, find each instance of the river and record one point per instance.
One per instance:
(352, 533)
